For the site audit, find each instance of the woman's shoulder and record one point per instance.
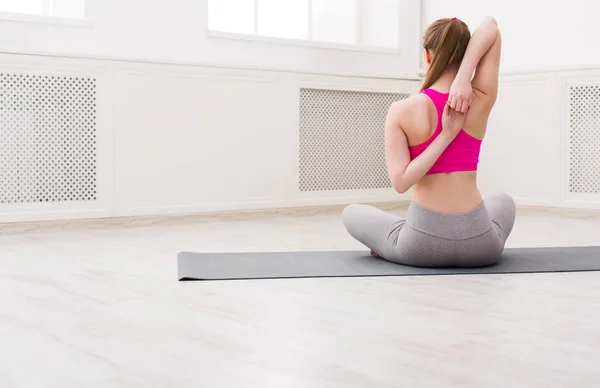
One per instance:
(416, 104)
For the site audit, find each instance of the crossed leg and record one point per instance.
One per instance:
(376, 229)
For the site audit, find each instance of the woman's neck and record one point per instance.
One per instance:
(444, 83)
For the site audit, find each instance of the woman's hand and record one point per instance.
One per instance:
(461, 95)
(452, 122)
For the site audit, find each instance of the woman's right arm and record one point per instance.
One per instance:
(482, 57)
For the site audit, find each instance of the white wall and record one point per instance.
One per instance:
(186, 139)
(527, 150)
(522, 152)
(537, 35)
(214, 139)
(176, 31)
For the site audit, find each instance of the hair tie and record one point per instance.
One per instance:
(453, 19)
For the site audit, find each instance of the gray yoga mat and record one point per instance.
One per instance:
(277, 265)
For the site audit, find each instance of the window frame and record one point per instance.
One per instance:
(46, 18)
(254, 37)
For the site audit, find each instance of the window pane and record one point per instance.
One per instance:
(74, 9)
(31, 7)
(335, 20)
(283, 18)
(380, 23)
(231, 16)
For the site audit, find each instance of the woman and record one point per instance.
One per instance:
(432, 144)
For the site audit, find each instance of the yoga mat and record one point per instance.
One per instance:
(310, 264)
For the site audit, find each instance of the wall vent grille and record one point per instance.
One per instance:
(48, 139)
(584, 139)
(342, 139)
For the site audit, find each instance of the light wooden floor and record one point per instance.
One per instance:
(101, 307)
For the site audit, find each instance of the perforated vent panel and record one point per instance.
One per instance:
(584, 139)
(342, 139)
(47, 138)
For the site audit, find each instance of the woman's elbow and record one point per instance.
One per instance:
(401, 191)
(399, 186)
(398, 180)
(491, 20)
(488, 24)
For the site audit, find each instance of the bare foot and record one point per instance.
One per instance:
(374, 254)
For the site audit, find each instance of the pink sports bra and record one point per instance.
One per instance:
(461, 155)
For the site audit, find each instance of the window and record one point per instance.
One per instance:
(371, 23)
(66, 9)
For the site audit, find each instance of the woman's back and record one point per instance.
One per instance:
(443, 189)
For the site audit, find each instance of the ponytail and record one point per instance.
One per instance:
(446, 41)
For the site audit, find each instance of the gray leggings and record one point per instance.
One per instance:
(430, 239)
